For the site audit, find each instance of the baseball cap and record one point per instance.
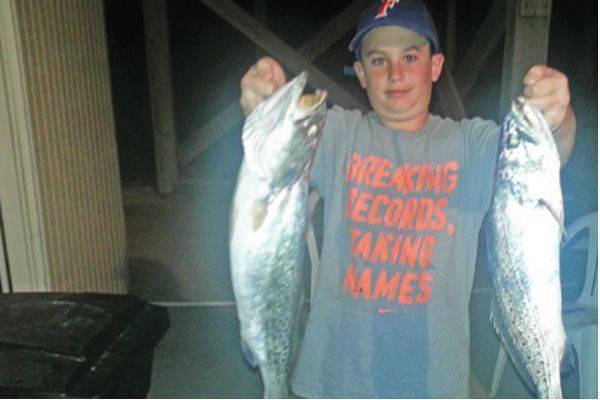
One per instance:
(410, 14)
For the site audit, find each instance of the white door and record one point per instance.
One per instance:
(5, 283)
(23, 258)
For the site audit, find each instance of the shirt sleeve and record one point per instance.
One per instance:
(482, 138)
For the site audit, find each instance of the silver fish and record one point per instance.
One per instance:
(268, 225)
(523, 241)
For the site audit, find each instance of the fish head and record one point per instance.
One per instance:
(528, 162)
(307, 118)
(281, 135)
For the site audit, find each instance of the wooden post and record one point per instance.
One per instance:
(451, 103)
(525, 44)
(450, 50)
(486, 40)
(161, 93)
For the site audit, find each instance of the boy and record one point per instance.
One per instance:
(405, 193)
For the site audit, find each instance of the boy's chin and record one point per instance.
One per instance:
(412, 119)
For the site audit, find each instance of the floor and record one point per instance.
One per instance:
(177, 258)
(199, 357)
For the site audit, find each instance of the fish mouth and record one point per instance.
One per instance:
(309, 104)
(310, 101)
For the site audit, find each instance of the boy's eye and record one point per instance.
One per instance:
(377, 61)
(410, 58)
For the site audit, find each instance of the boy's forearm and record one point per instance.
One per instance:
(564, 136)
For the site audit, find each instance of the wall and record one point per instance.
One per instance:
(64, 78)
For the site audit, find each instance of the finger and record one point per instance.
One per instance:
(264, 77)
(536, 73)
(262, 69)
(555, 84)
(542, 103)
(249, 101)
(553, 100)
(257, 86)
(254, 90)
(270, 70)
(553, 112)
(541, 88)
(251, 98)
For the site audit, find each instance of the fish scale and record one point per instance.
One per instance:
(268, 225)
(523, 232)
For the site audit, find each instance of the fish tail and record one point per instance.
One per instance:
(275, 383)
(570, 361)
(248, 354)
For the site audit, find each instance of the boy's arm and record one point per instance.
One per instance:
(564, 136)
(548, 90)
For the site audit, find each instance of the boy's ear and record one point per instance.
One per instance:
(437, 63)
(360, 73)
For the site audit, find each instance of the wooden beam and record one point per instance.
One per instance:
(161, 93)
(209, 133)
(487, 38)
(334, 30)
(526, 44)
(259, 8)
(212, 131)
(259, 34)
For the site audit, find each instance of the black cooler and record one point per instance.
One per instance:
(77, 345)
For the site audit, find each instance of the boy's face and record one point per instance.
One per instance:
(398, 70)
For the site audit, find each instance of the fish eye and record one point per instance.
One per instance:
(312, 131)
(306, 123)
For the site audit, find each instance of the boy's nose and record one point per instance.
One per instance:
(396, 72)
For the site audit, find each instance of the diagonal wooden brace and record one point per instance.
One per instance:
(308, 52)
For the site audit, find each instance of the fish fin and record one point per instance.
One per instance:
(248, 354)
(275, 383)
(508, 345)
(570, 360)
(527, 137)
(557, 216)
(298, 329)
(258, 212)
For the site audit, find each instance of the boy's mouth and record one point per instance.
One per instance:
(396, 93)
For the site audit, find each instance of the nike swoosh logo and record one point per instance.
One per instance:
(384, 310)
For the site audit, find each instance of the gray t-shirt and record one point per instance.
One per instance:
(402, 216)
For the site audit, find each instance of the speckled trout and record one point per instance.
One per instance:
(268, 225)
(524, 230)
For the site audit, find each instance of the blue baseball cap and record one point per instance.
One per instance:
(409, 14)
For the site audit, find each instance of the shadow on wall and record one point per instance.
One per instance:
(150, 279)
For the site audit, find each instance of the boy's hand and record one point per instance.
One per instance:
(548, 90)
(260, 82)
